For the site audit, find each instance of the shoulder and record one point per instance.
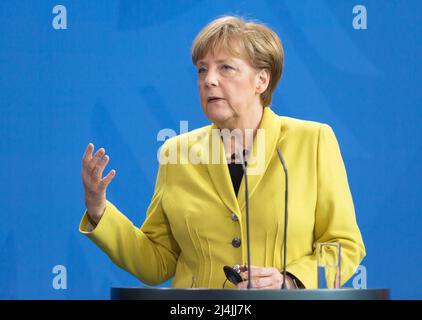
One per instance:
(307, 134)
(303, 131)
(295, 124)
(303, 128)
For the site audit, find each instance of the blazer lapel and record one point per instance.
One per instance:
(219, 171)
(263, 149)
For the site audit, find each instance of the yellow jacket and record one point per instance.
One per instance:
(190, 226)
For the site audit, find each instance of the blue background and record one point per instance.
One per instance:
(122, 71)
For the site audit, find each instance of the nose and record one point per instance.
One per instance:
(211, 79)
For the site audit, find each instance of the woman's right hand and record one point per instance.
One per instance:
(95, 186)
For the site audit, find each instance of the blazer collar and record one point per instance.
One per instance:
(263, 149)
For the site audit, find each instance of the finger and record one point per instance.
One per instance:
(269, 287)
(88, 153)
(93, 162)
(107, 179)
(244, 271)
(99, 168)
(260, 272)
(242, 285)
(263, 282)
(260, 283)
(85, 162)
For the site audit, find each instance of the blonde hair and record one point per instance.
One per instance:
(261, 45)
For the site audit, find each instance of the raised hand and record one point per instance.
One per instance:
(95, 186)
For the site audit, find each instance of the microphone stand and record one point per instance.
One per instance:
(280, 156)
(248, 245)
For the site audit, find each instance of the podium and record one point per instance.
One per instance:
(252, 294)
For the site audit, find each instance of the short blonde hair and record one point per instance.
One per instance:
(262, 46)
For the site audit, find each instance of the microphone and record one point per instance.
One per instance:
(280, 156)
(233, 274)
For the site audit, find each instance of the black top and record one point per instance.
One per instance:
(236, 173)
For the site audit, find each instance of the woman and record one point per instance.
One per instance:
(195, 223)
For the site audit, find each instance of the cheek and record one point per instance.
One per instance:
(241, 89)
(201, 91)
(235, 96)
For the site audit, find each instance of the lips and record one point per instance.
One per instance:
(214, 99)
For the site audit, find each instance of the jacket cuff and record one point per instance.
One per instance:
(296, 281)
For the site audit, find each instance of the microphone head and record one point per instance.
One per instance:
(232, 275)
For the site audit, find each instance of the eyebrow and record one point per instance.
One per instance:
(218, 61)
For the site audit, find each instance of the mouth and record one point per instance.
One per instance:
(214, 99)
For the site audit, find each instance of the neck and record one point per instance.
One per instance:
(242, 132)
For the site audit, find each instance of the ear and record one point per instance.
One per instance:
(262, 81)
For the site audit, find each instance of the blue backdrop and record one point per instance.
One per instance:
(121, 71)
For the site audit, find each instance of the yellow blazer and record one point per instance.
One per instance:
(190, 225)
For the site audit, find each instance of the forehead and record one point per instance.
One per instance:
(221, 55)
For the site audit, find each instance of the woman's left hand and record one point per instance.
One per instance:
(265, 278)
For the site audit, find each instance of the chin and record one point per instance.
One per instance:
(218, 115)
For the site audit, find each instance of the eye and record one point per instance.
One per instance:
(227, 67)
(201, 70)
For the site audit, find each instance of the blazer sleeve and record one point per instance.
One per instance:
(335, 219)
(150, 253)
